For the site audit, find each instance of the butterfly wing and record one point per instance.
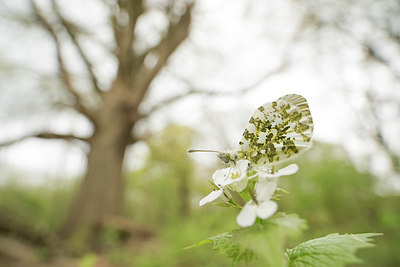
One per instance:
(277, 131)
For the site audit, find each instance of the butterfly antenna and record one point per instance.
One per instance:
(202, 150)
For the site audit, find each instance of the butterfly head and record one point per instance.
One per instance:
(228, 157)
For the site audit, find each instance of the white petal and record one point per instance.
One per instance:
(265, 188)
(235, 182)
(211, 197)
(247, 215)
(253, 176)
(242, 165)
(219, 177)
(266, 209)
(238, 185)
(265, 174)
(288, 170)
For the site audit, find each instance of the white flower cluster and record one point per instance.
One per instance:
(256, 186)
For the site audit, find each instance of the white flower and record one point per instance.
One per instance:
(265, 188)
(263, 207)
(251, 210)
(288, 170)
(234, 177)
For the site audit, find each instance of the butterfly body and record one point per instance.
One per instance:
(228, 157)
(276, 132)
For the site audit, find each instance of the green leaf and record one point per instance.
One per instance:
(331, 250)
(268, 237)
(222, 204)
(290, 223)
(263, 240)
(224, 244)
(198, 244)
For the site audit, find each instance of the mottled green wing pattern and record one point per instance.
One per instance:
(277, 131)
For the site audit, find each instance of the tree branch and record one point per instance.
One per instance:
(134, 138)
(124, 35)
(372, 53)
(45, 135)
(373, 50)
(65, 75)
(195, 90)
(377, 132)
(71, 29)
(176, 34)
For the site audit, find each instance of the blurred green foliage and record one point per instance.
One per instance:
(333, 196)
(39, 208)
(162, 195)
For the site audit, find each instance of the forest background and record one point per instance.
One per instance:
(100, 101)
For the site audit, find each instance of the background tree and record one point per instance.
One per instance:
(113, 111)
(366, 33)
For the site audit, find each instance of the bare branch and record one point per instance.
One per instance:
(377, 132)
(176, 34)
(124, 35)
(71, 30)
(134, 138)
(45, 135)
(178, 97)
(195, 90)
(65, 75)
(373, 51)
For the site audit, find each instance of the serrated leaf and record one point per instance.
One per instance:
(291, 222)
(332, 250)
(224, 244)
(267, 238)
(215, 239)
(264, 241)
(198, 244)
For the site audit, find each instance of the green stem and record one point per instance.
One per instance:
(233, 204)
(259, 221)
(245, 195)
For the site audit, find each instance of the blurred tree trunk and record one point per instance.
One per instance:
(116, 109)
(101, 191)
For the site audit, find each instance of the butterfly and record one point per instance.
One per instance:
(276, 132)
